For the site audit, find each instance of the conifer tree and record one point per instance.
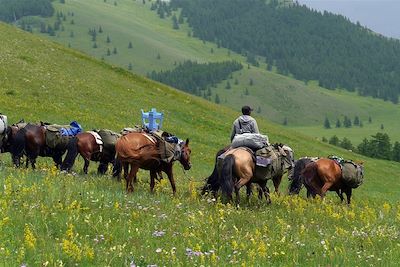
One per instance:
(327, 124)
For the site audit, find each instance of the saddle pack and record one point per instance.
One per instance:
(59, 135)
(250, 140)
(3, 124)
(168, 145)
(352, 174)
(108, 140)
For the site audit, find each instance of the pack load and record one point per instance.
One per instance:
(59, 135)
(3, 123)
(109, 139)
(134, 129)
(168, 145)
(250, 140)
(352, 174)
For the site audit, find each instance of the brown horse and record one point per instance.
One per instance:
(32, 140)
(323, 175)
(140, 151)
(85, 144)
(238, 168)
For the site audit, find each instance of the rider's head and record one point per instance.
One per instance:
(246, 110)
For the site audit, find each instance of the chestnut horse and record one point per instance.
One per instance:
(238, 168)
(140, 151)
(297, 180)
(85, 144)
(323, 175)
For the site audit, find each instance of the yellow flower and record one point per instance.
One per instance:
(30, 239)
(70, 231)
(386, 207)
(71, 249)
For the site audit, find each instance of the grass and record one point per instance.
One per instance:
(279, 97)
(48, 218)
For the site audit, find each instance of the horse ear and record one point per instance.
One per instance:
(187, 141)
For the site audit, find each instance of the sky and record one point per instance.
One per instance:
(382, 16)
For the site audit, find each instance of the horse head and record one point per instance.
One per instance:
(184, 158)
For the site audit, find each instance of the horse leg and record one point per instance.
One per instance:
(340, 194)
(86, 165)
(248, 191)
(132, 173)
(348, 195)
(277, 181)
(153, 177)
(265, 190)
(325, 188)
(171, 179)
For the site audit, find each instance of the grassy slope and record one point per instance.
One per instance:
(52, 217)
(277, 96)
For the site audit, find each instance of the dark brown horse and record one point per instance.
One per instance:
(31, 140)
(140, 151)
(325, 174)
(85, 144)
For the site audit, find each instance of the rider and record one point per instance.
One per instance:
(244, 123)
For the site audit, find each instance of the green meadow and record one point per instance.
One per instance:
(156, 46)
(48, 218)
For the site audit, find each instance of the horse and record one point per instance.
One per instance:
(141, 151)
(296, 182)
(32, 140)
(326, 174)
(85, 144)
(238, 168)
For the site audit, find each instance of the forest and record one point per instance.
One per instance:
(300, 42)
(195, 77)
(11, 11)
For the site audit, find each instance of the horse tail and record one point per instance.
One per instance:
(309, 172)
(212, 183)
(227, 182)
(297, 180)
(69, 160)
(18, 146)
(117, 168)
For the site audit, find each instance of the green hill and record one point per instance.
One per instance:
(49, 218)
(274, 96)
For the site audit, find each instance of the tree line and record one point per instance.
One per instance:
(195, 77)
(378, 146)
(13, 10)
(301, 42)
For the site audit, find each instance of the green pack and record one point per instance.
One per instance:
(352, 174)
(109, 139)
(54, 139)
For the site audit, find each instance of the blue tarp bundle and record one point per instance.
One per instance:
(74, 130)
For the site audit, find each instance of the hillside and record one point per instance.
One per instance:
(274, 96)
(50, 218)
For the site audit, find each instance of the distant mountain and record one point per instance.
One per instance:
(301, 42)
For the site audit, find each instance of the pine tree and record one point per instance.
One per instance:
(364, 147)
(356, 121)
(259, 110)
(217, 100)
(346, 144)
(72, 22)
(285, 121)
(327, 124)
(236, 81)
(324, 139)
(130, 45)
(212, 50)
(251, 82)
(369, 119)
(175, 24)
(108, 40)
(71, 34)
(108, 52)
(94, 45)
(115, 51)
(100, 29)
(338, 123)
(228, 85)
(382, 127)
(130, 66)
(396, 151)
(246, 92)
(158, 56)
(334, 140)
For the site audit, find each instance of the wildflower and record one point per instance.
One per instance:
(158, 250)
(30, 239)
(158, 233)
(386, 207)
